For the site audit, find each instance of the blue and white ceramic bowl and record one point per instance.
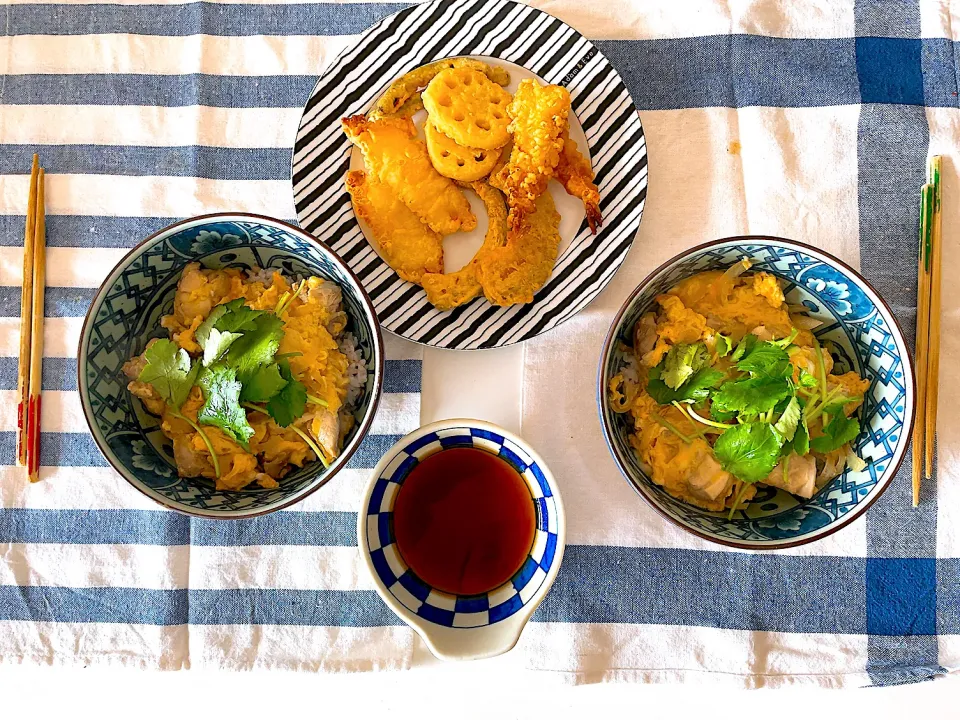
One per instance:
(125, 315)
(458, 627)
(864, 336)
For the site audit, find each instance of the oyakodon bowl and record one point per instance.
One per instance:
(863, 335)
(125, 314)
(461, 627)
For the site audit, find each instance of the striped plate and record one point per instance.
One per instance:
(513, 33)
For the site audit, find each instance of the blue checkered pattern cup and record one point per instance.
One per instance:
(461, 627)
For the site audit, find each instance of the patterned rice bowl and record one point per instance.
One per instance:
(461, 627)
(125, 315)
(863, 335)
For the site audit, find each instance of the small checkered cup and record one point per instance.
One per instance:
(461, 627)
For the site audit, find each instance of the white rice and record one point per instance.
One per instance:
(356, 369)
(262, 275)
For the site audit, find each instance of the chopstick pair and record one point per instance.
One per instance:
(30, 372)
(928, 326)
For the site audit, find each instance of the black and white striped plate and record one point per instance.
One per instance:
(513, 33)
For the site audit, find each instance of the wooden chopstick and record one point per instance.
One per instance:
(36, 335)
(923, 322)
(26, 315)
(933, 341)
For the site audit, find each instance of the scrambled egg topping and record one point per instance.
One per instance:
(698, 309)
(311, 323)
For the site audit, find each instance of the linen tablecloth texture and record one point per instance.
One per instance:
(809, 119)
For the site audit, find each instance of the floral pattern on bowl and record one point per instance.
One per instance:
(862, 335)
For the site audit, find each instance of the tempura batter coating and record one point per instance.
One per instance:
(456, 161)
(404, 87)
(576, 175)
(447, 291)
(539, 120)
(514, 273)
(394, 155)
(406, 244)
(408, 109)
(466, 106)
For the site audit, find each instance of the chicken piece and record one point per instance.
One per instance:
(150, 398)
(325, 427)
(515, 272)
(447, 291)
(801, 476)
(403, 90)
(645, 334)
(576, 175)
(706, 480)
(407, 245)
(394, 155)
(539, 120)
(198, 291)
(688, 472)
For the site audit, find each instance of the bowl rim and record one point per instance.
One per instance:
(910, 407)
(338, 464)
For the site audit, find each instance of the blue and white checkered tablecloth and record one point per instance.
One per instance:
(809, 119)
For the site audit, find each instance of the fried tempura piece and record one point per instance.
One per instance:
(455, 161)
(467, 107)
(408, 109)
(514, 273)
(576, 175)
(446, 292)
(404, 87)
(539, 120)
(395, 156)
(407, 245)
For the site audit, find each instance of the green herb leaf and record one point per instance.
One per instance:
(697, 388)
(289, 404)
(719, 415)
(263, 384)
(221, 406)
(168, 370)
(216, 344)
(838, 432)
(257, 346)
(801, 439)
(681, 362)
(233, 316)
(806, 380)
(766, 360)
(755, 395)
(787, 424)
(723, 346)
(744, 346)
(749, 451)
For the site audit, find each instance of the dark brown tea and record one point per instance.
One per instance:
(464, 521)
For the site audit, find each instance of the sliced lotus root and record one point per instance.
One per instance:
(456, 161)
(402, 90)
(468, 107)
